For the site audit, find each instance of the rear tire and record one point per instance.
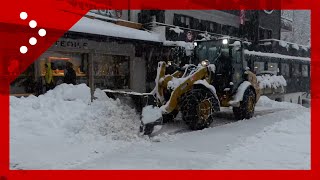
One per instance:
(247, 106)
(197, 107)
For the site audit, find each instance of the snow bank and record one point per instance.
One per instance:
(264, 101)
(68, 109)
(267, 81)
(64, 126)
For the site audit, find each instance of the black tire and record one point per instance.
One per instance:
(193, 114)
(169, 117)
(247, 106)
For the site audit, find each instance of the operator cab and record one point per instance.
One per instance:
(227, 55)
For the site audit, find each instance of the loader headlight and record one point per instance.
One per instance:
(205, 63)
(225, 41)
(195, 44)
(169, 63)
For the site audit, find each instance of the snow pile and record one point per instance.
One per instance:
(67, 110)
(264, 101)
(267, 81)
(177, 30)
(151, 114)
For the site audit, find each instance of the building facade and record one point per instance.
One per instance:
(113, 51)
(295, 26)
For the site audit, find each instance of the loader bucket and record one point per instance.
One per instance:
(145, 105)
(151, 117)
(134, 99)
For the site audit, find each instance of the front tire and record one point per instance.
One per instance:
(247, 106)
(197, 107)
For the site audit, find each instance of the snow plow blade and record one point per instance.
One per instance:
(134, 99)
(145, 105)
(148, 128)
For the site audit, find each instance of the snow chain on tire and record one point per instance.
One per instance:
(243, 111)
(189, 108)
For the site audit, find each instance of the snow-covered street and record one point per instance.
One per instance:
(63, 130)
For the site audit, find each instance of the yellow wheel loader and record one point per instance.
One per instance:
(221, 79)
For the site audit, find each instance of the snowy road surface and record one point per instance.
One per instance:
(62, 130)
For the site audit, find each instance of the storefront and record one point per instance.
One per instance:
(99, 61)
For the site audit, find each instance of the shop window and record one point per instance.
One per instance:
(258, 67)
(58, 64)
(296, 70)
(305, 71)
(285, 70)
(273, 67)
(111, 72)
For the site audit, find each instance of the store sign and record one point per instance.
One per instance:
(72, 44)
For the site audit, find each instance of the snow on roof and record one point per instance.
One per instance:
(276, 55)
(94, 26)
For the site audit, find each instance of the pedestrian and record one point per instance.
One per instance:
(49, 77)
(70, 75)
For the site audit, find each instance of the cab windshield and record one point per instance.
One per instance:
(210, 50)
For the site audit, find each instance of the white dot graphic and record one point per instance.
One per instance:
(42, 32)
(23, 15)
(33, 41)
(33, 24)
(23, 49)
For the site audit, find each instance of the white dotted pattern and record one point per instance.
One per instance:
(32, 41)
(33, 23)
(23, 49)
(23, 15)
(42, 32)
